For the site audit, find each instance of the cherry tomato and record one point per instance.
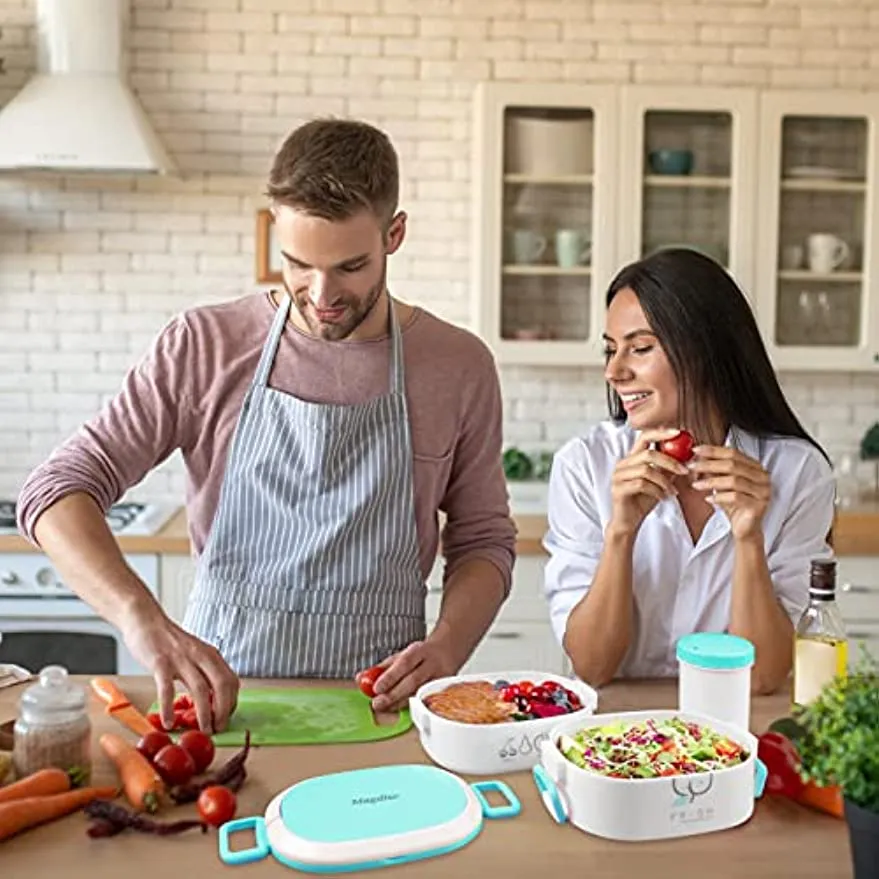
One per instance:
(200, 747)
(155, 720)
(525, 687)
(679, 447)
(174, 764)
(216, 805)
(539, 694)
(188, 718)
(366, 680)
(509, 694)
(183, 701)
(152, 743)
(551, 686)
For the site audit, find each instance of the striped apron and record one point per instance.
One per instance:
(311, 567)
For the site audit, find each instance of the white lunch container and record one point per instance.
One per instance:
(490, 748)
(635, 810)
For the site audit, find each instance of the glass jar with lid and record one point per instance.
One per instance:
(53, 727)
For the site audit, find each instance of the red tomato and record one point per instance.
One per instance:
(679, 447)
(509, 694)
(216, 805)
(174, 764)
(200, 747)
(152, 743)
(188, 718)
(155, 720)
(366, 680)
(183, 701)
(525, 687)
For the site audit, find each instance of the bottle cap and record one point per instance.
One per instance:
(716, 650)
(822, 579)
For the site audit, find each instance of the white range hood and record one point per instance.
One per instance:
(77, 113)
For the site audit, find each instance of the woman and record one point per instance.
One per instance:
(644, 549)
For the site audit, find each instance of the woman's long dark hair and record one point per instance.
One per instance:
(708, 332)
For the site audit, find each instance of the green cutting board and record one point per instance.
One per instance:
(300, 716)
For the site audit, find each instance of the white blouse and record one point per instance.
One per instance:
(680, 588)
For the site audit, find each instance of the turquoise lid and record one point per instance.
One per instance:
(716, 650)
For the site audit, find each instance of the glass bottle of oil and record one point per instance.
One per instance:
(820, 640)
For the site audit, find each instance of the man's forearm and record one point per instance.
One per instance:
(74, 534)
(756, 614)
(599, 628)
(472, 597)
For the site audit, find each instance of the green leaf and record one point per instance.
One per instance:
(870, 443)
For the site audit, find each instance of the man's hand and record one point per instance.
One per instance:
(406, 671)
(172, 654)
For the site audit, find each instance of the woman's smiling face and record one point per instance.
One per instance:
(636, 366)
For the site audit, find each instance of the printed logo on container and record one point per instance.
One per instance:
(516, 745)
(374, 801)
(692, 800)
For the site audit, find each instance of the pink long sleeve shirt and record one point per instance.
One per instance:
(187, 391)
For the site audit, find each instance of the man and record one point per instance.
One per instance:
(322, 429)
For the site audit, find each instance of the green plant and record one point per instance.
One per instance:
(870, 444)
(840, 740)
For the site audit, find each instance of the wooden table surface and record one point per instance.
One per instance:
(780, 840)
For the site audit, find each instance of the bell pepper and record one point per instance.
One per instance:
(782, 762)
(824, 799)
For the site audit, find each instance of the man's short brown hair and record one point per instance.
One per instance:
(333, 168)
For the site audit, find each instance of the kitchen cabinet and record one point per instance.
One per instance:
(858, 598)
(816, 229)
(543, 234)
(572, 182)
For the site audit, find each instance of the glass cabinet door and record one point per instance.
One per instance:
(688, 160)
(543, 245)
(818, 178)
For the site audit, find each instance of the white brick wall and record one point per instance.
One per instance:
(91, 267)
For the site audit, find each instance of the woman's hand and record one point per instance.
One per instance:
(642, 479)
(734, 482)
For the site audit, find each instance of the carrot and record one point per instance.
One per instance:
(825, 799)
(18, 815)
(38, 784)
(143, 786)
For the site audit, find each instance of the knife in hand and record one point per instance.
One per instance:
(120, 707)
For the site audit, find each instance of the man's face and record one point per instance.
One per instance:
(335, 270)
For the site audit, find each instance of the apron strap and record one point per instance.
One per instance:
(261, 377)
(398, 384)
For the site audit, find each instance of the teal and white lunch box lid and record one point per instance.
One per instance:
(368, 818)
(716, 650)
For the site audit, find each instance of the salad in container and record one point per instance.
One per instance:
(648, 775)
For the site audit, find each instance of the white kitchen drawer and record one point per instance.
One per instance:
(517, 645)
(526, 602)
(858, 588)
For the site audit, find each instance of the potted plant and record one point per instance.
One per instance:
(839, 745)
(870, 452)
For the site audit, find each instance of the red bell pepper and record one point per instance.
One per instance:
(779, 755)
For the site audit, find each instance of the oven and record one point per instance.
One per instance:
(43, 623)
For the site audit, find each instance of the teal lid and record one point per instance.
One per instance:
(716, 650)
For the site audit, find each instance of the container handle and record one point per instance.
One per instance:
(509, 810)
(419, 715)
(760, 775)
(549, 793)
(245, 855)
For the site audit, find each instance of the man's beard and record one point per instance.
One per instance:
(357, 311)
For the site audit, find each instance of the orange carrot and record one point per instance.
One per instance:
(18, 815)
(38, 784)
(142, 784)
(825, 799)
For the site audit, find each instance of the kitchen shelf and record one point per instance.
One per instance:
(792, 184)
(686, 181)
(546, 270)
(820, 277)
(550, 180)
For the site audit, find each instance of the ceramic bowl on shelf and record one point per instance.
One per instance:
(667, 161)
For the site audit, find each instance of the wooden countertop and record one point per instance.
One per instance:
(856, 532)
(781, 838)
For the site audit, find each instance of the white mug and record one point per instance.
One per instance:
(827, 252)
(572, 248)
(527, 246)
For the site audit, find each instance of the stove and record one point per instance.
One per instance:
(127, 518)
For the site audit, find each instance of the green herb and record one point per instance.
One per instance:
(870, 443)
(840, 740)
(517, 465)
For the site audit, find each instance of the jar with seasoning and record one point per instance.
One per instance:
(53, 727)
